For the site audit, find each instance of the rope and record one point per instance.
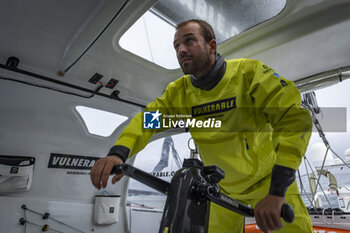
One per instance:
(94, 41)
(46, 216)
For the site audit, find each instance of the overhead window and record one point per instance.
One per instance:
(99, 122)
(151, 37)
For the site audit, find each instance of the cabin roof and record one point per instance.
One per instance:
(81, 38)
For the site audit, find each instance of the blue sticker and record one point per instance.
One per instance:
(276, 75)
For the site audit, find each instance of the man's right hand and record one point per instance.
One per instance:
(102, 169)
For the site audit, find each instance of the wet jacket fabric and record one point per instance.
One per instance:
(262, 124)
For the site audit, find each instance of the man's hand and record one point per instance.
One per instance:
(268, 213)
(102, 169)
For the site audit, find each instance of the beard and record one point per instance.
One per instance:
(197, 64)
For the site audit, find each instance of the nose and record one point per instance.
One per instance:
(181, 50)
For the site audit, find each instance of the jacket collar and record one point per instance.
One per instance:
(210, 80)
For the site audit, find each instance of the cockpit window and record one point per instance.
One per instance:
(99, 122)
(152, 35)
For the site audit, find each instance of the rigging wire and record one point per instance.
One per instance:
(313, 110)
(147, 36)
(308, 177)
(318, 182)
(320, 131)
(346, 164)
(303, 189)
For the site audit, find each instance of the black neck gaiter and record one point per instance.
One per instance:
(213, 77)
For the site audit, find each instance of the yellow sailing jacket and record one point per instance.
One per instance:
(262, 124)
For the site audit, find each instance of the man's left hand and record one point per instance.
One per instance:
(268, 213)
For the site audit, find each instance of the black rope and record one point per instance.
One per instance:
(98, 36)
(34, 75)
(53, 89)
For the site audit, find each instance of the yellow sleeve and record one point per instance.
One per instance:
(278, 101)
(134, 136)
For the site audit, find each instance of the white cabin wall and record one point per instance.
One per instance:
(37, 122)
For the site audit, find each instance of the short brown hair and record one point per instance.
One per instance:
(207, 30)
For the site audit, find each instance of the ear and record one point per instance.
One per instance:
(212, 45)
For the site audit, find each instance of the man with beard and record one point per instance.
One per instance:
(263, 137)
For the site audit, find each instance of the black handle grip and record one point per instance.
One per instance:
(118, 169)
(142, 176)
(287, 213)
